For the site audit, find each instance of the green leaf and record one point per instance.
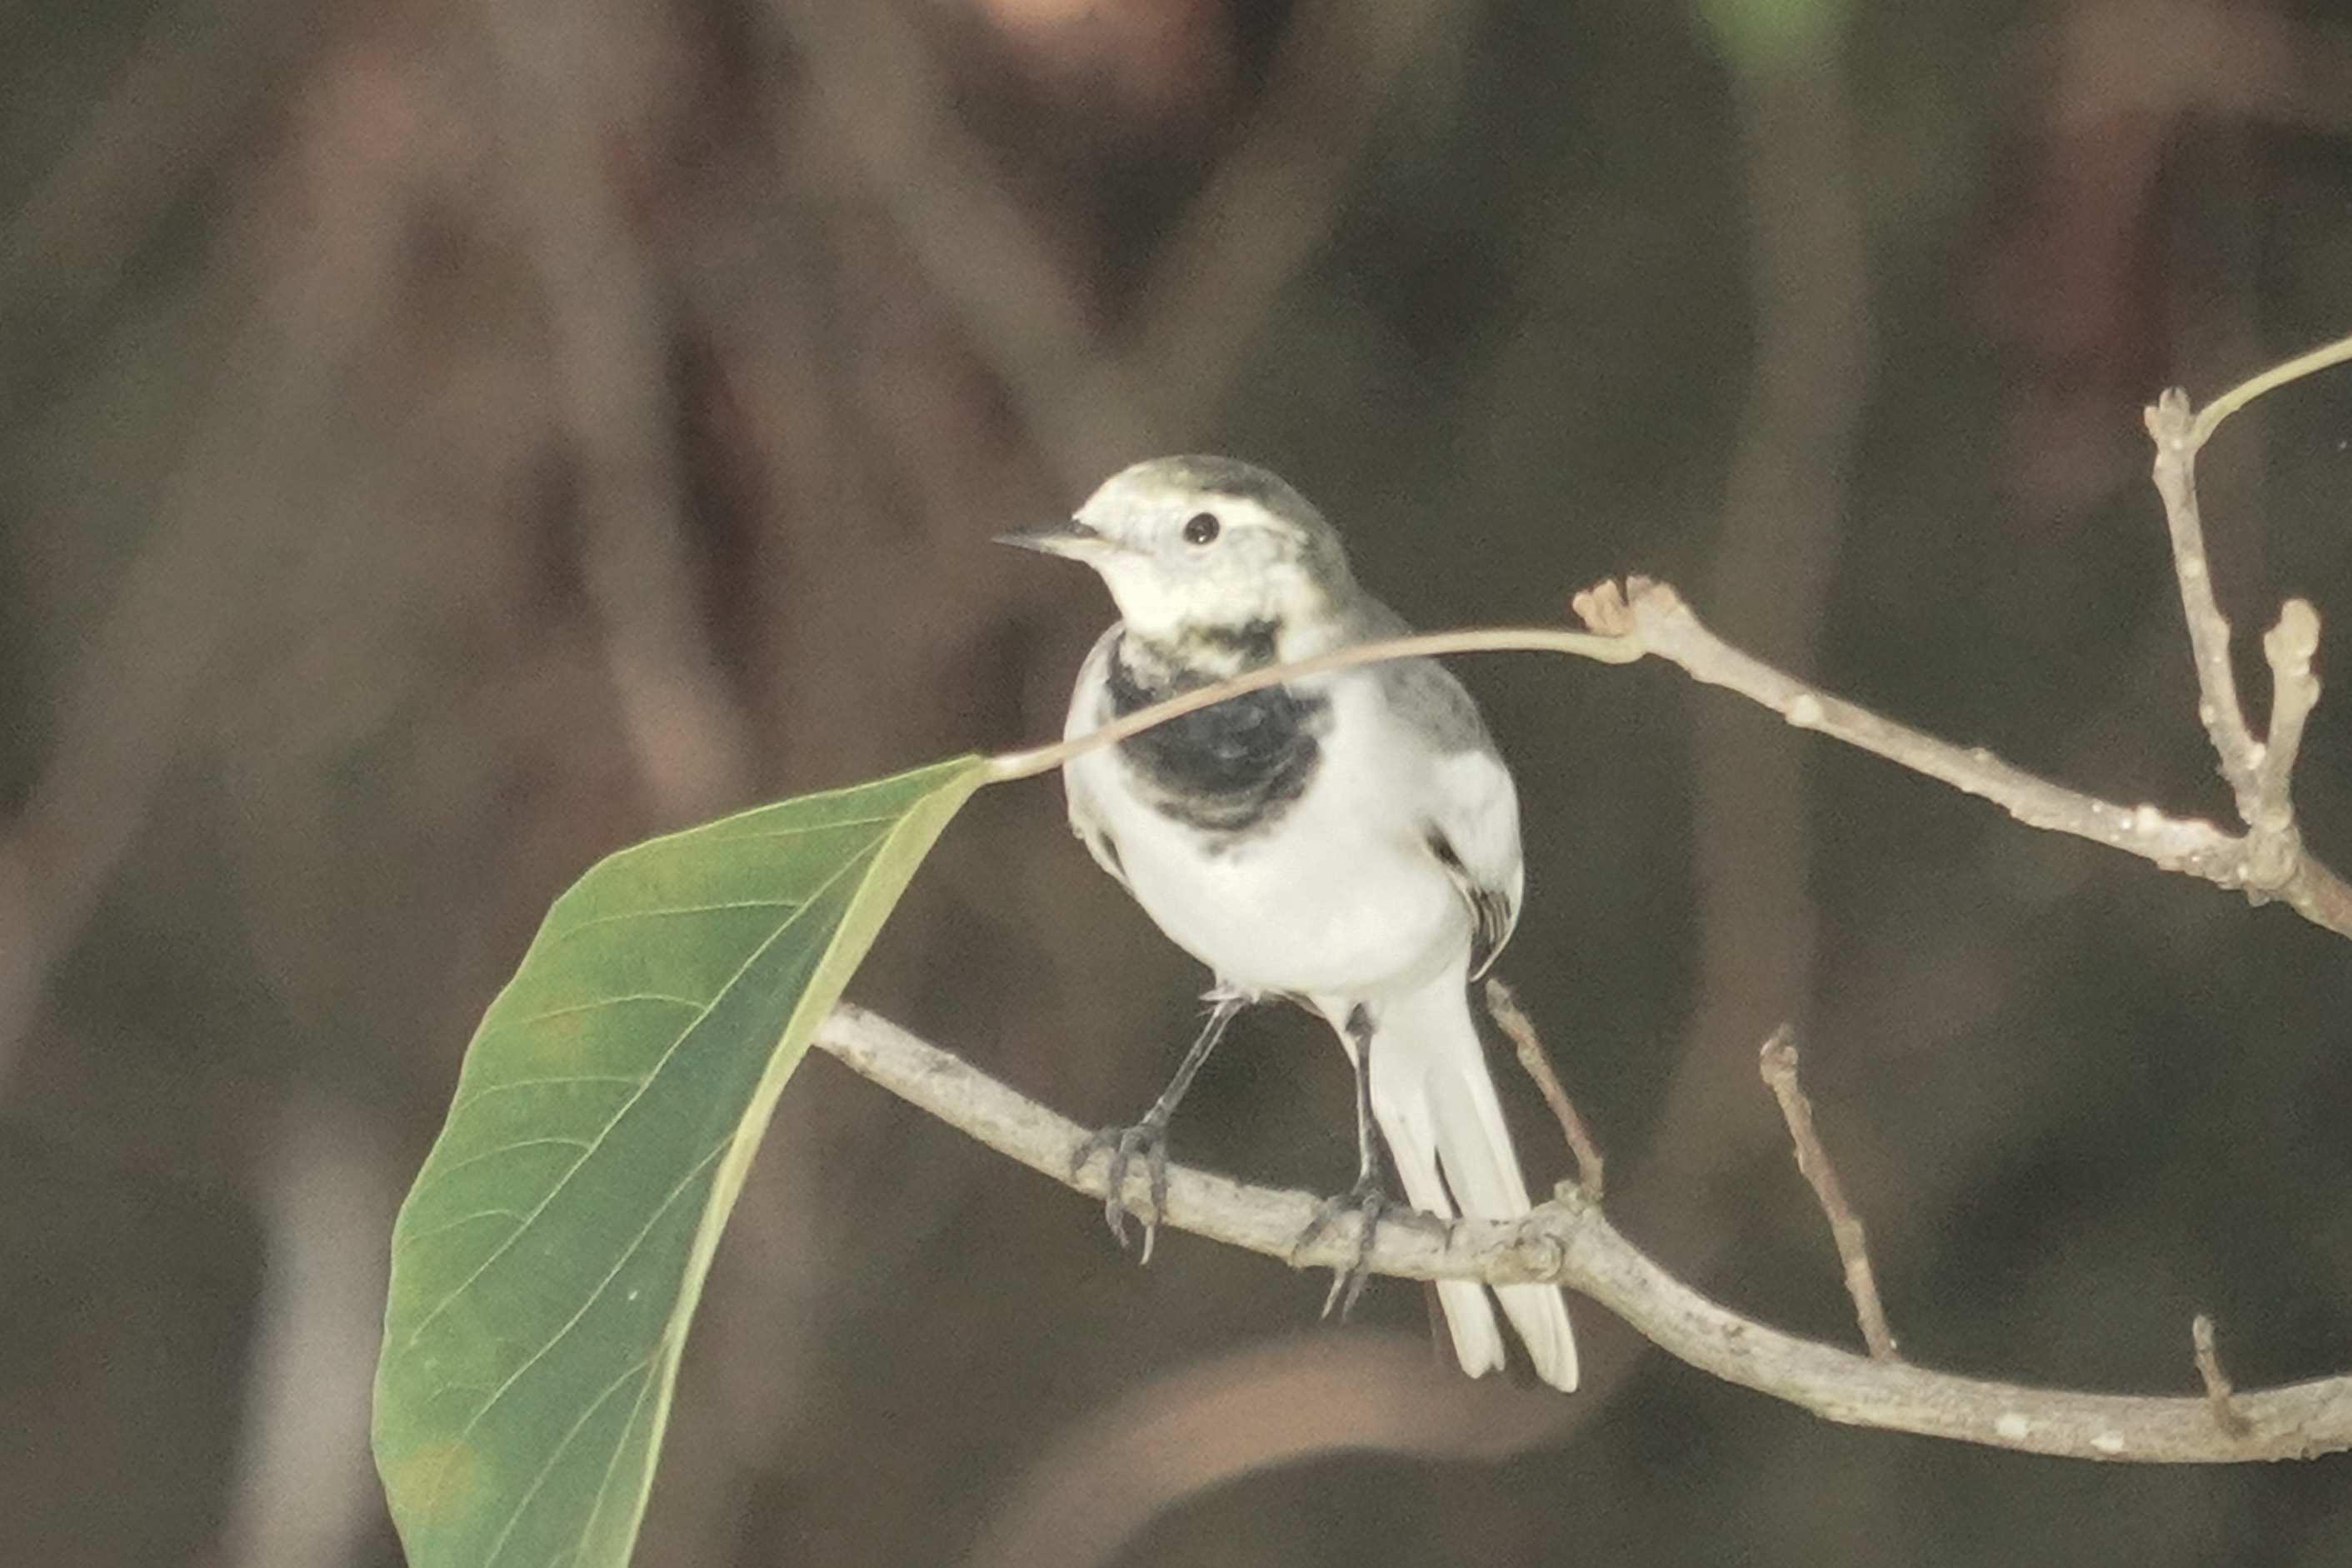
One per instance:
(547, 1262)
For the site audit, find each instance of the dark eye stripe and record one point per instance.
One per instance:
(1201, 528)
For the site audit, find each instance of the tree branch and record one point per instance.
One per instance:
(1639, 617)
(1653, 616)
(1567, 1241)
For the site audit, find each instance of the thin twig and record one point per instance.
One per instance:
(2271, 380)
(1568, 1242)
(2271, 861)
(1605, 648)
(1656, 617)
(2287, 648)
(1513, 1020)
(1778, 1061)
(1666, 626)
(2218, 1394)
(2171, 425)
(1640, 617)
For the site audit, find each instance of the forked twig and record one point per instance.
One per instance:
(2272, 863)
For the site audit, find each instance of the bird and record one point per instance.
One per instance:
(1347, 840)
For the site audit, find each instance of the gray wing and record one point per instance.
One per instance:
(1474, 808)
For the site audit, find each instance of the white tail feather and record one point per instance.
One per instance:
(1436, 1107)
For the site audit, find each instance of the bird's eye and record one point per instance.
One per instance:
(1201, 528)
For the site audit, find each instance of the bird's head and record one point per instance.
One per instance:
(1204, 553)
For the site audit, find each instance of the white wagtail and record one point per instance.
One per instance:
(1348, 840)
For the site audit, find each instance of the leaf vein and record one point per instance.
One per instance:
(652, 1074)
(596, 1293)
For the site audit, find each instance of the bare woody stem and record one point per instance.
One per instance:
(1778, 1062)
(2218, 1394)
(1641, 617)
(2169, 427)
(1513, 1020)
(2272, 862)
(1567, 1241)
(1604, 649)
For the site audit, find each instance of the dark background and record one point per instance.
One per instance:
(441, 443)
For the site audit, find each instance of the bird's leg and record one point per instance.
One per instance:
(1148, 1137)
(1369, 1198)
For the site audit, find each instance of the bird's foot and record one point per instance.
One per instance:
(1369, 1204)
(1122, 1146)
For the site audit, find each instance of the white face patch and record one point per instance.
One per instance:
(1153, 604)
(1175, 577)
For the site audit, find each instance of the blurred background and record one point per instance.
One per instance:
(442, 441)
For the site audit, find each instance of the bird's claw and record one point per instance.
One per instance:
(1368, 1202)
(1121, 1146)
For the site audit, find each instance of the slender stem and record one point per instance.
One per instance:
(1779, 1067)
(2169, 426)
(2219, 1393)
(1513, 1020)
(2271, 380)
(1639, 618)
(1607, 649)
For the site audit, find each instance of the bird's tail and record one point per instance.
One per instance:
(1436, 1107)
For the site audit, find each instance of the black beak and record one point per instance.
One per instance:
(1069, 537)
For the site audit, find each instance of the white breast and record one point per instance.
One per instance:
(1340, 897)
